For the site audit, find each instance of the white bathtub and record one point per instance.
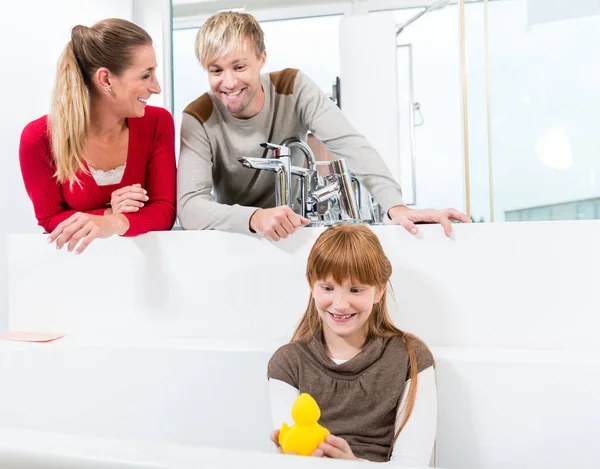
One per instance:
(153, 403)
(174, 393)
(35, 450)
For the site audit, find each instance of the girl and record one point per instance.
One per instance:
(374, 383)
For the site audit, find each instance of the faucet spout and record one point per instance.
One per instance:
(311, 161)
(283, 175)
(269, 164)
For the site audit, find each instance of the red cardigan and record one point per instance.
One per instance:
(150, 162)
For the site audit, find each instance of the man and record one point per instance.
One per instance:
(245, 109)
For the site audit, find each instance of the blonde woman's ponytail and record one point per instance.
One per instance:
(69, 118)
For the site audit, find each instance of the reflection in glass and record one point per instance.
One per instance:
(545, 92)
(437, 123)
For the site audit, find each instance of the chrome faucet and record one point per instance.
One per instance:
(376, 210)
(280, 165)
(329, 200)
(309, 178)
(347, 197)
(307, 182)
(311, 161)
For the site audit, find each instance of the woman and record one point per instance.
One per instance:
(102, 163)
(374, 383)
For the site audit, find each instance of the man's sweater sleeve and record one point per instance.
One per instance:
(329, 125)
(196, 208)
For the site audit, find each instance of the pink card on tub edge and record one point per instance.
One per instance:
(30, 336)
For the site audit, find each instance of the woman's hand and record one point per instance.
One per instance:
(335, 448)
(85, 228)
(128, 199)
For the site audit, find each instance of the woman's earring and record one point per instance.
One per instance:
(108, 89)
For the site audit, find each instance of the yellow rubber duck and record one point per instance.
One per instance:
(306, 434)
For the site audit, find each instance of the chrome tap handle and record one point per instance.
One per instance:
(339, 170)
(283, 183)
(325, 193)
(357, 186)
(278, 150)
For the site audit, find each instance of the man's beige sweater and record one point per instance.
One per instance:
(214, 191)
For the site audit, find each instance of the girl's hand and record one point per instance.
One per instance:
(85, 228)
(275, 439)
(128, 199)
(335, 448)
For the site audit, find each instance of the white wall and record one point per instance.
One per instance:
(155, 17)
(369, 83)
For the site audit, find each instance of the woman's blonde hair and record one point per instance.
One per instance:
(226, 32)
(353, 252)
(110, 43)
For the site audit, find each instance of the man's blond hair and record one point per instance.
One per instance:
(226, 32)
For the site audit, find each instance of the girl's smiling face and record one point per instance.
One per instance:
(345, 308)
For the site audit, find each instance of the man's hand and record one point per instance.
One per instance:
(407, 217)
(85, 228)
(276, 223)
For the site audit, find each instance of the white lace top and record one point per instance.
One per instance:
(106, 178)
